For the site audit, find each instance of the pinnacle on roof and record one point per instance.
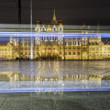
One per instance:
(54, 21)
(54, 16)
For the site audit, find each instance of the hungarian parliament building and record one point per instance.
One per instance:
(55, 48)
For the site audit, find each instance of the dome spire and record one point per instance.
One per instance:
(54, 21)
(54, 16)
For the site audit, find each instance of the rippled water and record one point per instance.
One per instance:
(57, 68)
(54, 75)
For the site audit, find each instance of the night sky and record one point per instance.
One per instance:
(72, 12)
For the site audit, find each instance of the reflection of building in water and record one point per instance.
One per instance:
(22, 80)
(69, 77)
(22, 77)
(59, 47)
(12, 76)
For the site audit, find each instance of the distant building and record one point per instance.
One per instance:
(64, 48)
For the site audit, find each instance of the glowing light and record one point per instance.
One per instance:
(53, 89)
(34, 34)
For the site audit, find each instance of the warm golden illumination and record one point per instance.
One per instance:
(57, 48)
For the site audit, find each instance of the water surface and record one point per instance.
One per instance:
(44, 76)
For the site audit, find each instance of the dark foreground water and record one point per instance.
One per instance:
(55, 85)
(56, 101)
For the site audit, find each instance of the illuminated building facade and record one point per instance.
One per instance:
(60, 47)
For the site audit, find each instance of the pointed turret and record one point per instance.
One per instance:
(83, 28)
(98, 33)
(54, 16)
(11, 40)
(98, 28)
(54, 21)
